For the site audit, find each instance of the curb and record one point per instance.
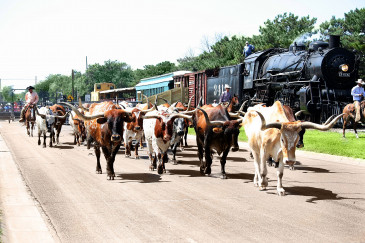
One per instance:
(21, 218)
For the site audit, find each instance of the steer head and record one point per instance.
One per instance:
(289, 134)
(164, 124)
(229, 129)
(50, 118)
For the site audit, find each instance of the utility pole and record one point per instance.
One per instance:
(73, 77)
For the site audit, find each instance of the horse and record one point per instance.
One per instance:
(30, 118)
(349, 116)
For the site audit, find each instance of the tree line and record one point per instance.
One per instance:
(277, 33)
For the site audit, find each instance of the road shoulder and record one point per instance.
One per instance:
(21, 219)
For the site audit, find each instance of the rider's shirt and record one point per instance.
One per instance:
(31, 98)
(356, 91)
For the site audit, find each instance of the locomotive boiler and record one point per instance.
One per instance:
(317, 80)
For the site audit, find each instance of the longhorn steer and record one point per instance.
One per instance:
(58, 110)
(134, 130)
(78, 127)
(45, 122)
(277, 139)
(105, 126)
(158, 127)
(215, 131)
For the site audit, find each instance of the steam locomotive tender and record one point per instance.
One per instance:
(317, 81)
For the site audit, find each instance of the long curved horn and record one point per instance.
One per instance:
(210, 123)
(148, 110)
(189, 103)
(82, 116)
(311, 125)
(270, 125)
(239, 112)
(82, 108)
(200, 100)
(145, 96)
(62, 117)
(38, 114)
(156, 99)
(329, 119)
(164, 100)
(180, 115)
(298, 113)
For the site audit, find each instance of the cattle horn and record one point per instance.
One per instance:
(82, 116)
(270, 125)
(62, 117)
(41, 115)
(145, 96)
(329, 119)
(164, 100)
(148, 110)
(239, 112)
(298, 113)
(325, 127)
(189, 103)
(82, 108)
(180, 115)
(210, 123)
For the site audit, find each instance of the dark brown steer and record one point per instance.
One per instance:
(58, 110)
(215, 131)
(105, 126)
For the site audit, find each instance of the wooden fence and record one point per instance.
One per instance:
(172, 96)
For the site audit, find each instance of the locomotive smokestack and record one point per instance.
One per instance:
(334, 41)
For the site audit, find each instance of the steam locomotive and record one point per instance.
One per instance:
(317, 80)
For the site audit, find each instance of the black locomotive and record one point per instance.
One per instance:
(317, 80)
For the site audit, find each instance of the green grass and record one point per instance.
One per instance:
(326, 142)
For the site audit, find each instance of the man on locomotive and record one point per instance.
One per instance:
(31, 98)
(248, 49)
(226, 95)
(358, 93)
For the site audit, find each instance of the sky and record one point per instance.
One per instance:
(43, 37)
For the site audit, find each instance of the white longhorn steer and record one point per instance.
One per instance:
(270, 134)
(45, 123)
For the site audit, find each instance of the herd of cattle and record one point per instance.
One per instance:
(273, 132)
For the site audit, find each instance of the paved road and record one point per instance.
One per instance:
(325, 200)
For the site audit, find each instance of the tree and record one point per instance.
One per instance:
(282, 31)
(155, 70)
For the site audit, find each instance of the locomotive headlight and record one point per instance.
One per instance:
(344, 67)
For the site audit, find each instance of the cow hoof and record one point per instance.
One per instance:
(207, 171)
(202, 170)
(174, 161)
(127, 155)
(281, 192)
(44, 145)
(110, 177)
(152, 168)
(160, 169)
(223, 176)
(262, 188)
(99, 172)
(255, 184)
(39, 142)
(291, 168)
(137, 157)
(181, 149)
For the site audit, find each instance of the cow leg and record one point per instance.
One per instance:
(97, 154)
(31, 131)
(58, 133)
(186, 137)
(160, 163)
(51, 135)
(128, 145)
(200, 155)
(256, 162)
(44, 139)
(208, 159)
(280, 173)
(223, 163)
(75, 139)
(263, 170)
(109, 165)
(39, 137)
(136, 149)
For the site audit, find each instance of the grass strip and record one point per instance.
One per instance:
(328, 142)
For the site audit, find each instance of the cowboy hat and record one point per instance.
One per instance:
(359, 81)
(226, 86)
(30, 87)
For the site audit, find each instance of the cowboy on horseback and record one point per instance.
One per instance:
(358, 93)
(31, 98)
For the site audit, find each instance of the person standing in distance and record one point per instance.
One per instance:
(248, 49)
(226, 95)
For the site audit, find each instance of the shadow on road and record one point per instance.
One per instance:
(190, 173)
(316, 194)
(141, 177)
(64, 147)
(307, 169)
